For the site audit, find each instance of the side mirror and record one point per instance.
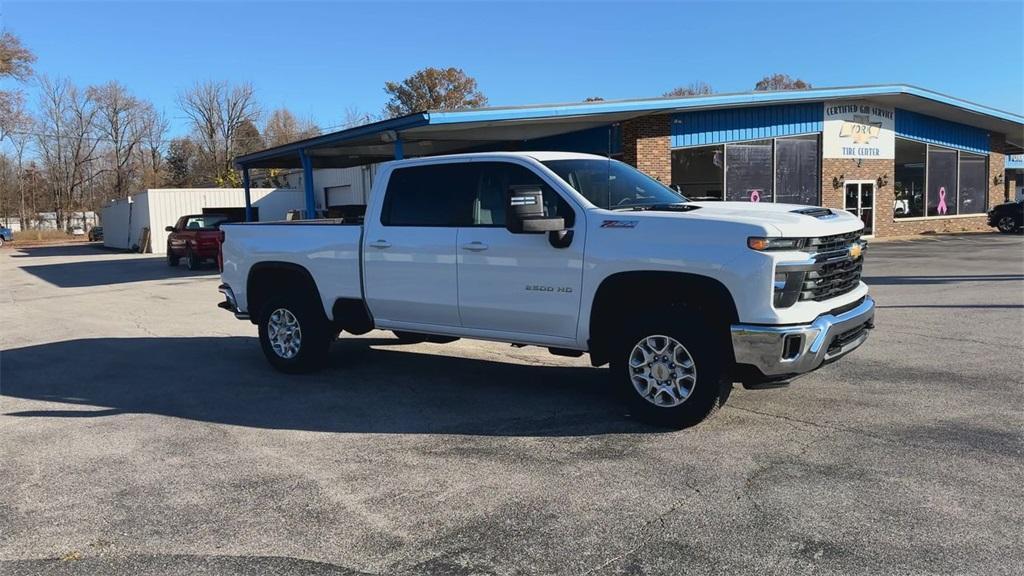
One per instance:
(525, 214)
(168, 228)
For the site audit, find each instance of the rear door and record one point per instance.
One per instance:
(410, 274)
(517, 283)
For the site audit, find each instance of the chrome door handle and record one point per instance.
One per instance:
(476, 246)
(381, 244)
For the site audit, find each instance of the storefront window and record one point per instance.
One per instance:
(942, 168)
(973, 183)
(749, 171)
(909, 179)
(698, 172)
(797, 180)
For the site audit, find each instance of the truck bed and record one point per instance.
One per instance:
(296, 242)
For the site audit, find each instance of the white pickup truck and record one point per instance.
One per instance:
(572, 252)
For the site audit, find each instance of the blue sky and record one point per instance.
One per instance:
(320, 58)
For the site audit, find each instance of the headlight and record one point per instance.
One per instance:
(762, 244)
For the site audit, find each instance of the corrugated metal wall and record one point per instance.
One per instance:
(115, 224)
(166, 205)
(942, 132)
(704, 127)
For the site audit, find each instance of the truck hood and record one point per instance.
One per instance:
(788, 220)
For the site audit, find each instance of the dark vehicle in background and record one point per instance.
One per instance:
(1007, 218)
(195, 238)
(95, 233)
(6, 235)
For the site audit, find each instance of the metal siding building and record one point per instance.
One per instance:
(125, 220)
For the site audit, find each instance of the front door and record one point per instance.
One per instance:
(517, 283)
(860, 201)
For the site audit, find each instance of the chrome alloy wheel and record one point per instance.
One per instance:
(662, 371)
(1006, 224)
(284, 333)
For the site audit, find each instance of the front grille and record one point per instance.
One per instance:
(832, 279)
(833, 243)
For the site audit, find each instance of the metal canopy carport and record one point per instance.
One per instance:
(448, 132)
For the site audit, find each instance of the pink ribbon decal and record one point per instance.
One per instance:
(942, 200)
(755, 195)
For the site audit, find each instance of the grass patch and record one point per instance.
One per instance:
(38, 235)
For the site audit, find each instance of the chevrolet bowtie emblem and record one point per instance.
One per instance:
(855, 251)
(862, 129)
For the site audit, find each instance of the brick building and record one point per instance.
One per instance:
(906, 160)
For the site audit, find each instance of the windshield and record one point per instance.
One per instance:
(612, 185)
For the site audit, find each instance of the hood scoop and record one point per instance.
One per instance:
(816, 212)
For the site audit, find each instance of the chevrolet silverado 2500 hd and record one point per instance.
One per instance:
(573, 252)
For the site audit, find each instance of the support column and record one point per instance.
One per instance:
(248, 196)
(647, 145)
(307, 183)
(399, 149)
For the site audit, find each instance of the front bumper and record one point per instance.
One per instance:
(780, 351)
(230, 303)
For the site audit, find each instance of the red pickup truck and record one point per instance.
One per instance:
(195, 238)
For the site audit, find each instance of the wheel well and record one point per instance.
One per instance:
(269, 278)
(629, 293)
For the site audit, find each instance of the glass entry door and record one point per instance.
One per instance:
(860, 201)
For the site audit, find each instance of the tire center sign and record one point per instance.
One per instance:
(858, 129)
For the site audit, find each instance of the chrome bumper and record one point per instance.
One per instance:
(229, 303)
(790, 350)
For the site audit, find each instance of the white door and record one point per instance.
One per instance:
(517, 283)
(860, 201)
(409, 273)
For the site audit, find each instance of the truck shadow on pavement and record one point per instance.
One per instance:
(77, 249)
(372, 385)
(87, 273)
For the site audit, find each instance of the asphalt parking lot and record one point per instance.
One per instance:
(141, 432)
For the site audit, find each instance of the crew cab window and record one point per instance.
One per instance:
(612, 185)
(433, 195)
(464, 194)
(493, 182)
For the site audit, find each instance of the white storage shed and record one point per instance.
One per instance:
(124, 220)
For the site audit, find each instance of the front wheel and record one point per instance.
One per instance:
(294, 335)
(192, 260)
(671, 370)
(1007, 225)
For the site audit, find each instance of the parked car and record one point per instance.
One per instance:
(1008, 217)
(572, 252)
(6, 235)
(76, 230)
(96, 233)
(195, 238)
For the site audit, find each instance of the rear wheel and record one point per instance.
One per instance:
(671, 369)
(295, 335)
(1007, 224)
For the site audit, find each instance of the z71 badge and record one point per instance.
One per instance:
(619, 224)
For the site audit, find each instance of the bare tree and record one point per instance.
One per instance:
(283, 127)
(153, 127)
(433, 89)
(119, 124)
(780, 82)
(218, 112)
(15, 60)
(698, 88)
(66, 140)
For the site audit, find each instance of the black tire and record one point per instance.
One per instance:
(705, 347)
(1007, 224)
(192, 260)
(172, 260)
(315, 333)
